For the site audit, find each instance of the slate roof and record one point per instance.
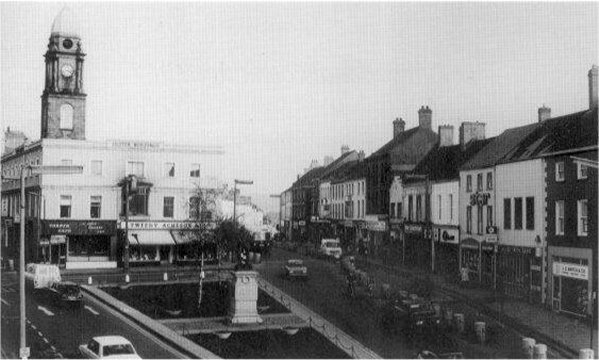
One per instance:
(557, 134)
(309, 176)
(395, 141)
(332, 166)
(501, 145)
(443, 163)
(348, 171)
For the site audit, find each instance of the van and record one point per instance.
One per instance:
(38, 276)
(330, 247)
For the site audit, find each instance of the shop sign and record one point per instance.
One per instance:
(479, 199)
(8, 222)
(516, 250)
(487, 246)
(446, 235)
(395, 226)
(470, 243)
(302, 223)
(140, 145)
(492, 230)
(571, 270)
(491, 238)
(428, 234)
(413, 229)
(376, 226)
(5, 207)
(75, 227)
(159, 225)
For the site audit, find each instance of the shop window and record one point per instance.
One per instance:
(450, 206)
(418, 208)
(469, 219)
(583, 218)
(410, 208)
(439, 201)
(559, 171)
(489, 181)
(138, 204)
(399, 208)
(169, 169)
(95, 207)
(489, 216)
(135, 168)
(468, 183)
(559, 217)
(530, 213)
(96, 166)
(507, 213)
(168, 208)
(479, 219)
(518, 213)
(582, 171)
(392, 210)
(65, 206)
(479, 182)
(195, 171)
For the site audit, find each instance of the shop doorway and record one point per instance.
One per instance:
(575, 297)
(58, 254)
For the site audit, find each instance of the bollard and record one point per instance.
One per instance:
(165, 277)
(459, 322)
(437, 308)
(481, 331)
(89, 280)
(528, 344)
(585, 354)
(540, 351)
(127, 278)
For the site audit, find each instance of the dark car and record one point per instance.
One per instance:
(412, 316)
(63, 293)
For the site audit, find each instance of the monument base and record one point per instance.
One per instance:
(244, 299)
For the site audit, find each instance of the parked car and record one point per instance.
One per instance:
(295, 268)
(63, 293)
(412, 316)
(108, 347)
(39, 276)
(330, 248)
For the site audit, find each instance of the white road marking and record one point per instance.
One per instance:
(40, 334)
(46, 340)
(33, 327)
(7, 289)
(46, 311)
(91, 310)
(4, 302)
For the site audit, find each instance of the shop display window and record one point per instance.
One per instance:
(143, 253)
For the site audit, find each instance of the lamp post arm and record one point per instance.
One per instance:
(23, 341)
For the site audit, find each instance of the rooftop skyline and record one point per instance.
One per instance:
(279, 84)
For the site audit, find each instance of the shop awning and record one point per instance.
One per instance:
(150, 237)
(183, 237)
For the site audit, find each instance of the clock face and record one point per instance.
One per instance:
(67, 71)
(67, 44)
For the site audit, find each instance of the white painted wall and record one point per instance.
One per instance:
(521, 179)
(444, 190)
(465, 201)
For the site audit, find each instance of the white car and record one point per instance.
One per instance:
(330, 248)
(108, 347)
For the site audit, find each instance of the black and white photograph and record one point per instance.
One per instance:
(299, 180)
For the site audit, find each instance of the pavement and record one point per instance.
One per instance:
(537, 321)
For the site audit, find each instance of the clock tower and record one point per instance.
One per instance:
(63, 99)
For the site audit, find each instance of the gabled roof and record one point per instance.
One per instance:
(335, 164)
(443, 163)
(501, 145)
(309, 176)
(557, 134)
(395, 141)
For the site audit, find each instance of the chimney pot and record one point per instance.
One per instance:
(425, 118)
(544, 113)
(398, 127)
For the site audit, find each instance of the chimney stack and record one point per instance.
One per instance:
(593, 97)
(544, 113)
(344, 149)
(361, 155)
(471, 131)
(445, 135)
(425, 118)
(398, 127)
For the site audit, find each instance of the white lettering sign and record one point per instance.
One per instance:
(159, 225)
(571, 270)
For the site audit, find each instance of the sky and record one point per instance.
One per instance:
(278, 84)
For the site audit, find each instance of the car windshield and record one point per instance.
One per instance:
(71, 290)
(331, 244)
(295, 262)
(118, 349)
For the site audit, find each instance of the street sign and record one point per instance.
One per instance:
(24, 352)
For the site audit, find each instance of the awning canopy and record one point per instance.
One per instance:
(183, 237)
(150, 237)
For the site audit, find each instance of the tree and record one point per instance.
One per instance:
(202, 205)
(235, 239)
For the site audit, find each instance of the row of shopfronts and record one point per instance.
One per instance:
(535, 274)
(80, 244)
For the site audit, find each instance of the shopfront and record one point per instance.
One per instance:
(396, 235)
(162, 242)
(446, 250)
(571, 281)
(78, 244)
(377, 236)
(418, 246)
(470, 260)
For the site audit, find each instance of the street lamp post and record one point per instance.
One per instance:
(240, 182)
(34, 170)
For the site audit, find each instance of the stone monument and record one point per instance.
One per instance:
(244, 298)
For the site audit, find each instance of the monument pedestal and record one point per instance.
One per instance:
(244, 299)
